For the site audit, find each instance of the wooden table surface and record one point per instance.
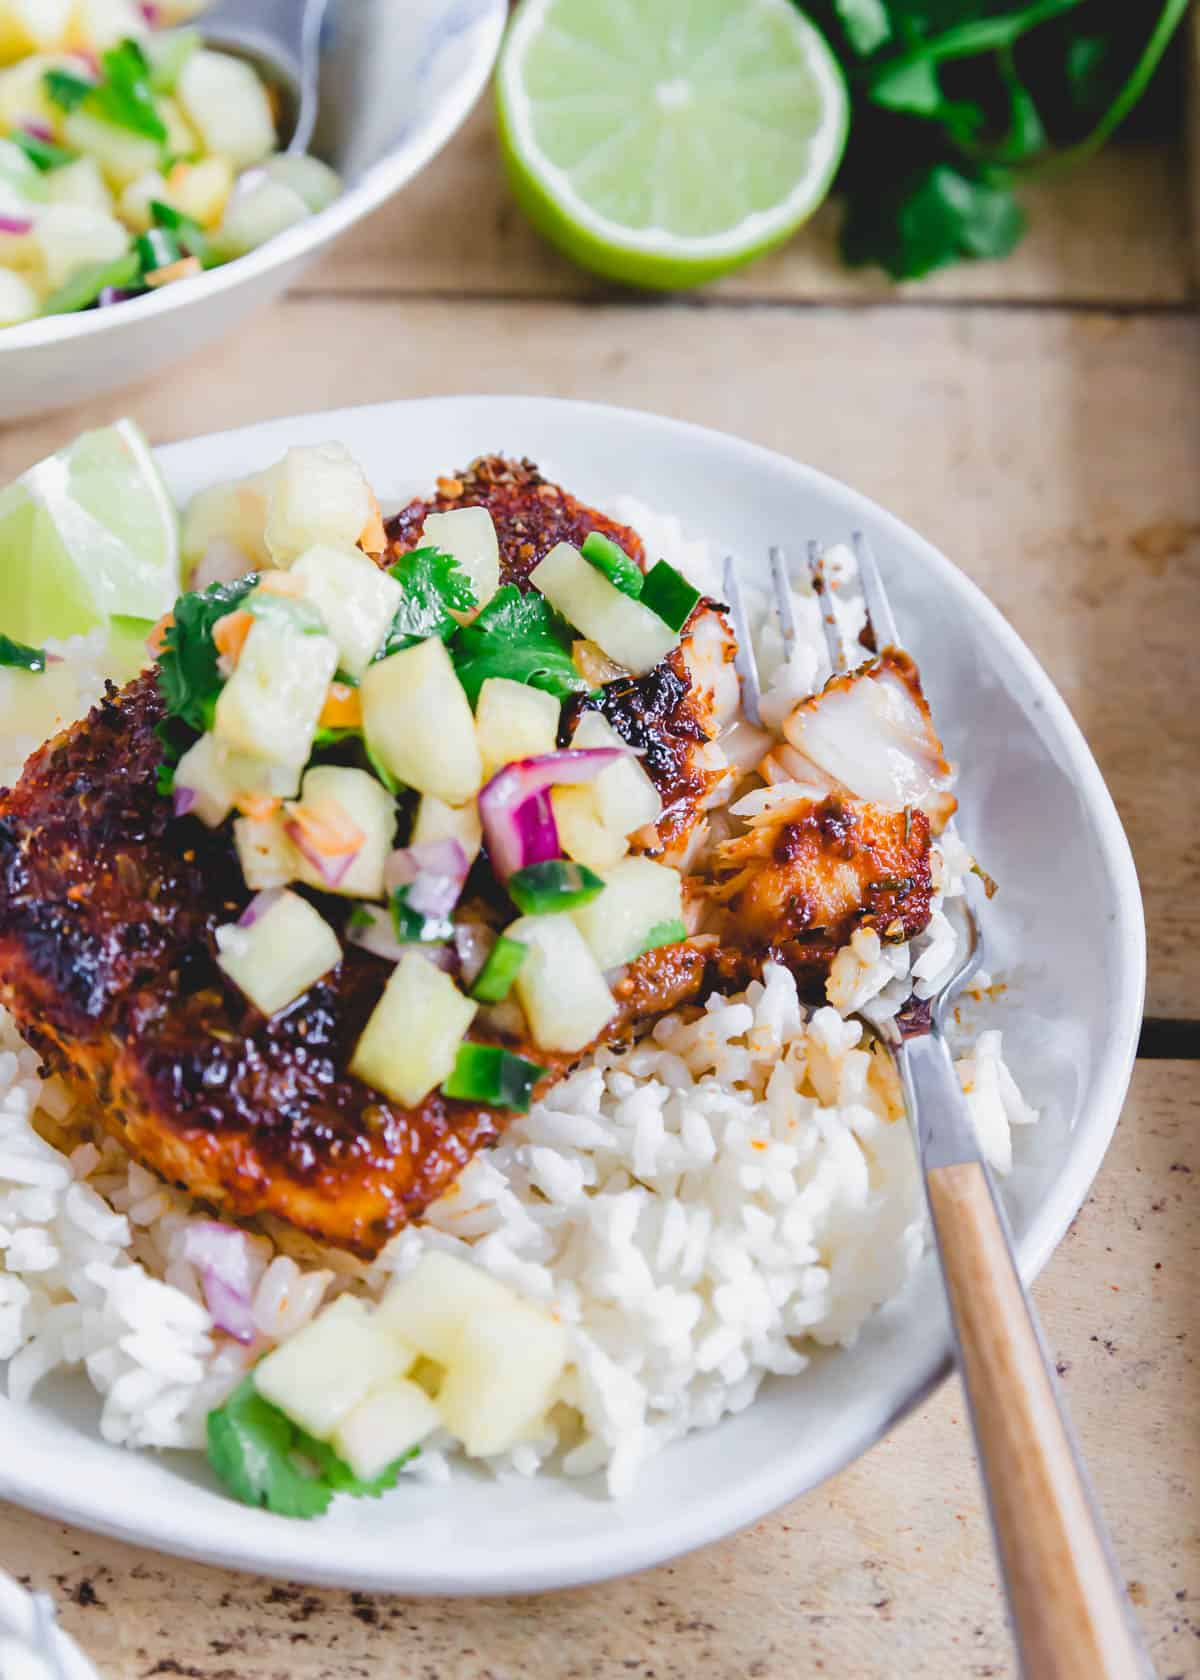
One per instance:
(1040, 421)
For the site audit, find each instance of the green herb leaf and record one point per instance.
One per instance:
(124, 95)
(44, 154)
(251, 1446)
(18, 656)
(865, 22)
(337, 1474)
(86, 284)
(934, 218)
(187, 232)
(435, 588)
(520, 637)
(66, 90)
(188, 676)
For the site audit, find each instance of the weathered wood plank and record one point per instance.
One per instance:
(887, 1570)
(1052, 456)
(1114, 231)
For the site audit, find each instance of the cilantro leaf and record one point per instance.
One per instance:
(938, 216)
(265, 1459)
(865, 22)
(250, 1446)
(188, 677)
(520, 637)
(19, 656)
(124, 96)
(338, 1474)
(435, 587)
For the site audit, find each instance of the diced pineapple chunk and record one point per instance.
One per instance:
(216, 776)
(270, 705)
(18, 300)
(102, 23)
(79, 183)
(318, 494)
(625, 797)
(201, 190)
(134, 203)
(412, 1037)
(255, 214)
(236, 512)
(470, 536)
(502, 1377)
(121, 154)
(514, 721)
(316, 183)
(30, 26)
(581, 834)
(559, 985)
(638, 895)
(267, 856)
(227, 104)
(356, 599)
(436, 820)
(23, 95)
(417, 720)
(282, 954)
(371, 808)
(182, 139)
(428, 1307)
(627, 631)
(387, 1425)
(70, 237)
(319, 1375)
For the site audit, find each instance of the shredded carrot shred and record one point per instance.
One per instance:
(342, 708)
(372, 539)
(181, 270)
(327, 828)
(229, 633)
(156, 640)
(260, 806)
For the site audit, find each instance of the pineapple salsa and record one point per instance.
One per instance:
(131, 156)
(378, 736)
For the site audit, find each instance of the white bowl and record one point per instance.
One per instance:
(397, 80)
(1065, 930)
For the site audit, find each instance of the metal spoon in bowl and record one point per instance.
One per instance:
(282, 39)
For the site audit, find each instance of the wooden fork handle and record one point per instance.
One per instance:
(1070, 1615)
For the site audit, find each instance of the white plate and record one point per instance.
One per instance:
(1066, 930)
(397, 80)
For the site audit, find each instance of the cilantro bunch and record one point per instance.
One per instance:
(955, 102)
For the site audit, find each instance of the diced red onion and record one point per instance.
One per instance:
(223, 562)
(16, 224)
(109, 295)
(378, 935)
(433, 872)
(517, 836)
(331, 869)
(39, 130)
(86, 56)
(150, 11)
(258, 906)
(225, 1260)
(184, 799)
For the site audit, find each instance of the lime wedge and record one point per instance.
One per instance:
(662, 145)
(85, 535)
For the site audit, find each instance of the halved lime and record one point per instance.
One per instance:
(85, 535)
(661, 144)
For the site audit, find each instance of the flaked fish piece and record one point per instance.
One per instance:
(868, 735)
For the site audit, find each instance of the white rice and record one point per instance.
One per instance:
(696, 1209)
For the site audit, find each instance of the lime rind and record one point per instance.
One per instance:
(665, 160)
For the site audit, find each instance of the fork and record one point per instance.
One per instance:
(1070, 1616)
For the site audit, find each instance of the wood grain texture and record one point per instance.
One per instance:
(1068, 1610)
(884, 1572)
(1052, 456)
(1113, 232)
